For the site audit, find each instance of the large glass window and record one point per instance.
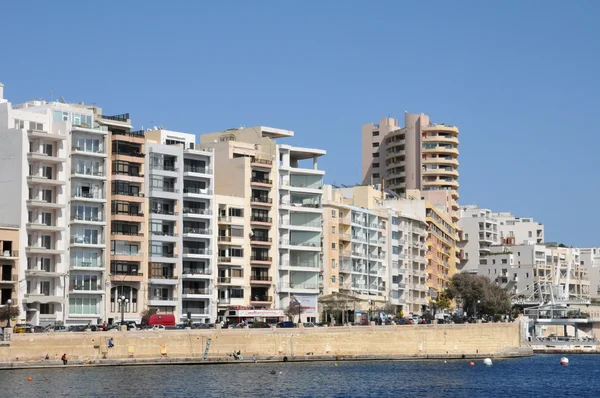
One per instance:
(83, 306)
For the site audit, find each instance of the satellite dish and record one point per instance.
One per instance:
(62, 100)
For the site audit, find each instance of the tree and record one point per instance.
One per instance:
(442, 302)
(478, 295)
(292, 310)
(9, 311)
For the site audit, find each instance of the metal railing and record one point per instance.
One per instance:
(123, 117)
(200, 170)
(197, 191)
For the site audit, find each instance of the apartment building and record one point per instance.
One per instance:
(180, 185)
(531, 272)
(282, 188)
(53, 158)
(479, 233)
(9, 264)
(590, 260)
(355, 249)
(128, 226)
(516, 231)
(422, 156)
(442, 243)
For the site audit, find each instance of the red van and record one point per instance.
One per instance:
(166, 320)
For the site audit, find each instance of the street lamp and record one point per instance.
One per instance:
(8, 305)
(123, 303)
(477, 309)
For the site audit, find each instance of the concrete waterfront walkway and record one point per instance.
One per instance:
(43, 364)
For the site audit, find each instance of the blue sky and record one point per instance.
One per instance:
(519, 78)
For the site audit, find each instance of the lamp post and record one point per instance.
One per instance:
(8, 305)
(123, 303)
(477, 309)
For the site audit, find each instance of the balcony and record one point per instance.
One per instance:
(196, 213)
(260, 240)
(296, 245)
(305, 286)
(192, 171)
(34, 133)
(191, 252)
(231, 220)
(43, 298)
(193, 273)
(196, 192)
(261, 182)
(196, 232)
(127, 255)
(311, 266)
(201, 293)
(261, 260)
(163, 279)
(261, 300)
(45, 158)
(126, 276)
(86, 241)
(162, 301)
(87, 219)
(38, 249)
(195, 312)
(261, 201)
(87, 265)
(300, 187)
(302, 226)
(136, 137)
(261, 163)
(312, 205)
(260, 279)
(82, 289)
(43, 180)
(91, 152)
(35, 226)
(9, 255)
(90, 129)
(254, 219)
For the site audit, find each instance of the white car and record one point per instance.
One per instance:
(158, 327)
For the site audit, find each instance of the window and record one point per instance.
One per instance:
(36, 126)
(83, 306)
(333, 214)
(333, 246)
(376, 155)
(333, 230)
(235, 212)
(375, 175)
(395, 250)
(376, 145)
(375, 165)
(375, 133)
(332, 263)
(530, 234)
(333, 278)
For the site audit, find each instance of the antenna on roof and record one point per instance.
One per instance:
(62, 100)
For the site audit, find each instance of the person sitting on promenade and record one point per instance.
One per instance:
(111, 343)
(64, 358)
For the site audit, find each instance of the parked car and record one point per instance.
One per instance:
(308, 325)
(286, 324)
(259, 325)
(162, 319)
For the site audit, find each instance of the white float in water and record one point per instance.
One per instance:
(487, 362)
(564, 361)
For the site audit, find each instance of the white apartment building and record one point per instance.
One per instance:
(522, 269)
(54, 164)
(516, 231)
(182, 248)
(407, 233)
(300, 191)
(480, 231)
(590, 260)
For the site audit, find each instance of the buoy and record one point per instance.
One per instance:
(564, 361)
(29, 379)
(445, 361)
(335, 364)
(487, 362)
(472, 363)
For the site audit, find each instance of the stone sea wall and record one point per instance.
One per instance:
(418, 341)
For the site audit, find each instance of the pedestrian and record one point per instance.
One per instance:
(64, 358)
(104, 325)
(254, 358)
(111, 344)
(47, 357)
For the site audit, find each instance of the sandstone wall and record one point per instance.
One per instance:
(406, 340)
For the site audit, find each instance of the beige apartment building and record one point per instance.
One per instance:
(442, 244)
(422, 156)
(281, 187)
(128, 221)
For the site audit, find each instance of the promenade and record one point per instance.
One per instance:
(401, 342)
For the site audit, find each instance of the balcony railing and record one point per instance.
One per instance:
(165, 212)
(135, 154)
(262, 278)
(125, 273)
(83, 288)
(123, 117)
(261, 161)
(87, 264)
(303, 244)
(163, 233)
(86, 240)
(197, 271)
(256, 238)
(126, 253)
(128, 193)
(223, 259)
(306, 264)
(88, 195)
(195, 311)
(127, 173)
(259, 199)
(164, 167)
(310, 205)
(197, 191)
(191, 210)
(262, 299)
(127, 213)
(88, 172)
(192, 250)
(262, 181)
(198, 231)
(200, 170)
(165, 189)
(292, 285)
(261, 258)
(163, 298)
(224, 238)
(137, 133)
(79, 217)
(88, 150)
(261, 219)
(204, 291)
(127, 233)
(308, 224)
